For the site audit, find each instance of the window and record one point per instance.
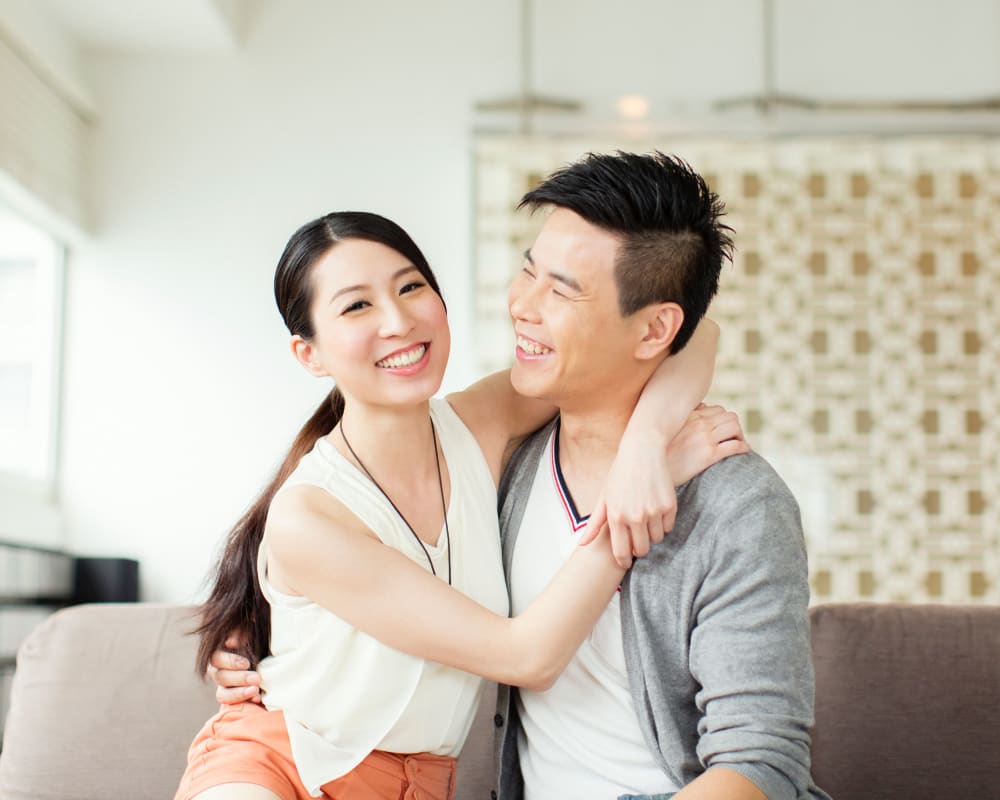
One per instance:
(31, 287)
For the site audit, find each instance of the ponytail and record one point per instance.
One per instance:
(236, 605)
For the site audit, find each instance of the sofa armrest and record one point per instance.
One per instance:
(104, 704)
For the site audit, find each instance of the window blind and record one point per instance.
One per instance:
(43, 137)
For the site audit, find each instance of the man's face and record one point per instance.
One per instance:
(572, 342)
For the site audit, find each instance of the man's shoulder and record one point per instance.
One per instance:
(727, 517)
(736, 479)
(525, 456)
(739, 503)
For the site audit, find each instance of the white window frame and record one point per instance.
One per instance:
(29, 500)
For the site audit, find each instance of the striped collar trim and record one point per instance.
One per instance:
(575, 520)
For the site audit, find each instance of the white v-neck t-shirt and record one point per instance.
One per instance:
(581, 738)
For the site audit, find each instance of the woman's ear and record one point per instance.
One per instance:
(307, 356)
(661, 322)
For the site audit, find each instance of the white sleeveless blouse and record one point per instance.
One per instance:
(343, 692)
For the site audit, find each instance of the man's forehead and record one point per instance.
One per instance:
(568, 238)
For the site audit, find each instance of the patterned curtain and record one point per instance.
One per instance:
(860, 338)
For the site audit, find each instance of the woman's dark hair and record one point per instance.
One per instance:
(236, 606)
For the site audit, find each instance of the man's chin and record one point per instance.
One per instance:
(525, 384)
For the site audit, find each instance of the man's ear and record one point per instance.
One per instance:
(306, 355)
(661, 322)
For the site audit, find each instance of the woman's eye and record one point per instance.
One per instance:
(411, 286)
(356, 306)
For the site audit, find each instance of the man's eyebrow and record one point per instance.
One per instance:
(566, 280)
(359, 286)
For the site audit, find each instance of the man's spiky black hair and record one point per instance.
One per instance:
(673, 242)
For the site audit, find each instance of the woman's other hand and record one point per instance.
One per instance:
(710, 434)
(235, 682)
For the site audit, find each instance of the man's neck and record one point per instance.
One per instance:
(588, 444)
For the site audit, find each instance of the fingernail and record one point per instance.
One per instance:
(249, 690)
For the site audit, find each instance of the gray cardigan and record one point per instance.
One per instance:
(715, 630)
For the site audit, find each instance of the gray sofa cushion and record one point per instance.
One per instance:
(907, 701)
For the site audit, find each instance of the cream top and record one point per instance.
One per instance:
(343, 692)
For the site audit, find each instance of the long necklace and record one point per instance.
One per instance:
(444, 507)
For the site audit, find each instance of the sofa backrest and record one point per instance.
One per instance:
(105, 703)
(907, 701)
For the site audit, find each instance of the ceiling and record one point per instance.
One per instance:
(151, 25)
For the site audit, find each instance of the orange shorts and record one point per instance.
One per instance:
(249, 744)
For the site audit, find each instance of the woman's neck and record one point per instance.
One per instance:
(387, 439)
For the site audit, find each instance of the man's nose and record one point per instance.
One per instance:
(522, 299)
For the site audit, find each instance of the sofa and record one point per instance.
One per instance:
(105, 702)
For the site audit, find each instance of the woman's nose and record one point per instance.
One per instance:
(396, 320)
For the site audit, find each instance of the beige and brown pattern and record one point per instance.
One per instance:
(860, 324)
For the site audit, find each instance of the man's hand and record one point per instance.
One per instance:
(236, 682)
(710, 434)
(720, 783)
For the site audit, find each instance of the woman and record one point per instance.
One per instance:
(370, 656)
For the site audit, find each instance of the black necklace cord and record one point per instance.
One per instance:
(444, 508)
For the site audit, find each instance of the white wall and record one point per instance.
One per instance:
(179, 394)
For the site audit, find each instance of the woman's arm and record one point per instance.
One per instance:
(710, 434)
(499, 417)
(640, 503)
(323, 552)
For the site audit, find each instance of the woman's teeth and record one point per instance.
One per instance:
(411, 356)
(532, 348)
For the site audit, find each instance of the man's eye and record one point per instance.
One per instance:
(528, 272)
(557, 293)
(411, 286)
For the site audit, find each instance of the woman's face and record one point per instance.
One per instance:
(380, 330)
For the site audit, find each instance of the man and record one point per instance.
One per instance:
(697, 679)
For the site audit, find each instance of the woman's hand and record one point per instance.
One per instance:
(710, 434)
(235, 682)
(639, 503)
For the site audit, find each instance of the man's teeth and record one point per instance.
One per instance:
(403, 359)
(532, 348)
